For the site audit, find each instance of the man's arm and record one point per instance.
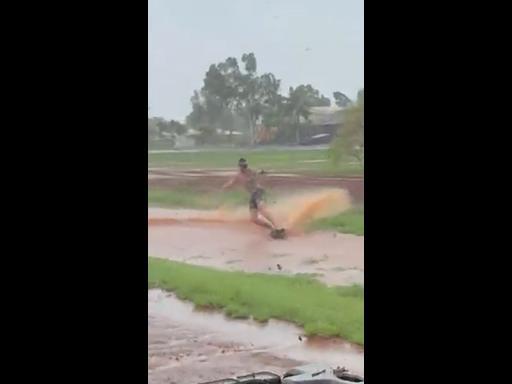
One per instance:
(230, 183)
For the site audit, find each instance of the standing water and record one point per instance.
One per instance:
(203, 345)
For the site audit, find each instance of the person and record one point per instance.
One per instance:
(249, 179)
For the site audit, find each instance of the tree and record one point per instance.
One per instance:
(212, 106)
(229, 92)
(232, 92)
(163, 127)
(250, 63)
(198, 113)
(176, 128)
(207, 135)
(350, 139)
(299, 102)
(255, 93)
(341, 99)
(152, 129)
(259, 98)
(274, 114)
(159, 128)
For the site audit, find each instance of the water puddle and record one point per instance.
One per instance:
(277, 338)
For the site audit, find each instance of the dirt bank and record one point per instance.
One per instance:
(213, 179)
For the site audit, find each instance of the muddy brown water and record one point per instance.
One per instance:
(190, 346)
(202, 238)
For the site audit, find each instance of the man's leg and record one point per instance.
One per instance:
(266, 214)
(256, 220)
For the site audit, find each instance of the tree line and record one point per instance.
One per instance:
(159, 128)
(235, 97)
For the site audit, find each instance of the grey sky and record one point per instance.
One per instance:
(317, 42)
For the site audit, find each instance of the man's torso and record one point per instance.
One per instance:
(249, 180)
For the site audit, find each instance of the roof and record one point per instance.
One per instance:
(326, 115)
(194, 132)
(326, 110)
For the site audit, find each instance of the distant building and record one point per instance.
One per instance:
(220, 137)
(184, 141)
(325, 116)
(324, 122)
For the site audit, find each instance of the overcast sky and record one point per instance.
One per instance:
(317, 42)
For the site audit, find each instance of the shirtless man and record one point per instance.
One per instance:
(248, 178)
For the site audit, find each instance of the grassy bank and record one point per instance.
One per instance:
(351, 221)
(292, 160)
(188, 198)
(320, 310)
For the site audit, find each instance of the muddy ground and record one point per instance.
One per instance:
(189, 346)
(193, 237)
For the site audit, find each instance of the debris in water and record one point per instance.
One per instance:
(300, 338)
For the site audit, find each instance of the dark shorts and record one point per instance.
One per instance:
(256, 198)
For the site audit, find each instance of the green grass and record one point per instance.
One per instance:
(351, 221)
(188, 198)
(292, 160)
(320, 310)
